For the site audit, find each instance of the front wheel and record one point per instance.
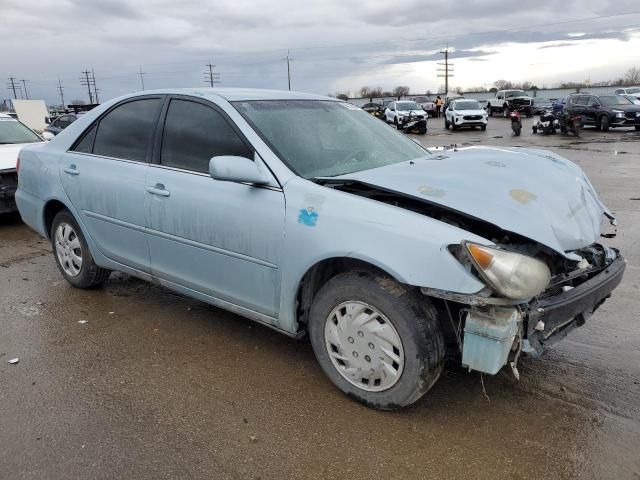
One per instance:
(604, 123)
(446, 124)
(637, 128)
(72, 253)
(377, 340)
(483, 127)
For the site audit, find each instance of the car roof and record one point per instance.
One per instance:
(239, 94)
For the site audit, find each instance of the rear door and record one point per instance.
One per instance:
(221, 239)
(104, 176)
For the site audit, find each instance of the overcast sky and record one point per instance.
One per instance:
(336, 45)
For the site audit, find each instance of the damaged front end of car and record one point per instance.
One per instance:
(531, 301)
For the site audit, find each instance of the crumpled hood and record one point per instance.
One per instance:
(533, 193)
(411, 112)
(9, 155)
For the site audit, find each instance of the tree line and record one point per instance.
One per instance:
(630, 78)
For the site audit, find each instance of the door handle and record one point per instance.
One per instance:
(71, 170)
(158, 189)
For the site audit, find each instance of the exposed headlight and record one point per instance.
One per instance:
(619, 113)
(509, 274)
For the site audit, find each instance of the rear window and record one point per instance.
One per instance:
(126, 131)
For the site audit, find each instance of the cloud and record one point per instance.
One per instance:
(333, 42)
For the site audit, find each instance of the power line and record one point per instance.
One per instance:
(61, 91)
(26, 92)
(86, 81)
(446, 71)
(211, 77)
(288, 60)
(142, 74)
(12, 86)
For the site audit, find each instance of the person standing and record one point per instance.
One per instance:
(438, 106)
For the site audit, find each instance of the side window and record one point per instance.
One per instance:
(72, 118)
(593, 101)
(582, 100)
(193, 133)
(63, 122)
(86, 144)
(126, 131)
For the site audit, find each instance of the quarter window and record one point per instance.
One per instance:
(126, 131)
(193, 133)
(86, 144)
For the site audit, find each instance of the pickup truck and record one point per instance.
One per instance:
(507, 100)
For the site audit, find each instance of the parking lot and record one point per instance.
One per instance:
(156, 385)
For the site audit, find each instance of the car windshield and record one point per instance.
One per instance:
(12, 131)
(633, 90)
(405, 106)
(612, 100)
(322, 138)
(515, 93)
(467, 105)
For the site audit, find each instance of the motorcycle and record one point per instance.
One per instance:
(548, 123)
(412, 124)
(516, 122)
(570, 122)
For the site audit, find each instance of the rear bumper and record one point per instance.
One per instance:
(550, 319)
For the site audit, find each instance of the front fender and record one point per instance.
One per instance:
(323, 223)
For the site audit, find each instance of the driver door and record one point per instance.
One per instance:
(221, 239)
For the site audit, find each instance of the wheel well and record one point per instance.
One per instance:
(320, 274)
(51, 209)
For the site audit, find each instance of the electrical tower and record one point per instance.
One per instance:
(86, 81)
(142, 74)
(95, 88)
(26, 92)
(211, 77)
(447, 71)
(61, 91)
(12, 86)
(288, 59)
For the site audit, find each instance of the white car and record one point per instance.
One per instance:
(635, 91)
(14, 135)
(399, 112)
(632, 98)
(465, 113)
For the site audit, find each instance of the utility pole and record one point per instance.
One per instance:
(86, 81)
(447, 71)
(288, 59)
(95, 88)
(211, 77)
(142, 74)
(26, 92)
(61, 90)
(12, 86)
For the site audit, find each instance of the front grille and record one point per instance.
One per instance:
(472, 117)
(521, 102)
(632, 115)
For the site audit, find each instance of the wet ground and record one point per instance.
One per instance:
(155, 385)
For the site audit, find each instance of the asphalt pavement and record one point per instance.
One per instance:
(131, 381)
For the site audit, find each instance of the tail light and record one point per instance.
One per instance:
(18, 164)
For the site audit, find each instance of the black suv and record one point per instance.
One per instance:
(604, 111)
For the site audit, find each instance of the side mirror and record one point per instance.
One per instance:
(230, 168)
(47, 120)
(47, 136)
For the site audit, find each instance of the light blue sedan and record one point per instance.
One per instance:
(310, 216)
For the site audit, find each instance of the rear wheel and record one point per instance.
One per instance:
(72, 253)
(376, 340)
(604, 123)
(489, 110)
(637, 128)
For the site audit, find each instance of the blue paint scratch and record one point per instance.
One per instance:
(308, 216)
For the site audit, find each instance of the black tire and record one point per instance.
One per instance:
(535, 129)
(415, 320)
(489, 110)
(446, 124)
(516, 130)
(604, 123)
(483, 127)
(395, 122)
(637, 128)
(90, 275)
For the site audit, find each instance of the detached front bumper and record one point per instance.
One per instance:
(549, 319)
